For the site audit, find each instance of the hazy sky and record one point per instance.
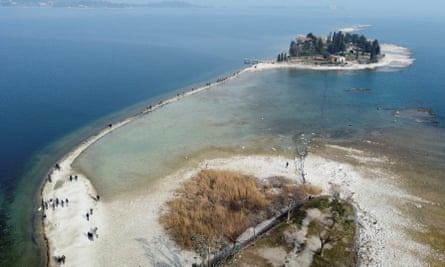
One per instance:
(404, 6)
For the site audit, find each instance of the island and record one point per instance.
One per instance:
(337, 49)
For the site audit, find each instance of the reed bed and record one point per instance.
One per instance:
(222, 204)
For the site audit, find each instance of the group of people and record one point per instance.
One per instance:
(73, 177)
(93, 232)
(54, 203)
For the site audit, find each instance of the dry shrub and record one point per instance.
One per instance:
(222, 204)
(283, 192)
(213, 204)
(308, 189)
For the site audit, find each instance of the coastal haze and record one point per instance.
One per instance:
(67, 73)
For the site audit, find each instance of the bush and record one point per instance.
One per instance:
(222, 204)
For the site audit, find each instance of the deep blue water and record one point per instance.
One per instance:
(65, 73)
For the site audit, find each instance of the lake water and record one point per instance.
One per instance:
(66, 73)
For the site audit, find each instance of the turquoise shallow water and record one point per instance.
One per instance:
(264, 108)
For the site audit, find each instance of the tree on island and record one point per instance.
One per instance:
(308, 45)
(375, 50)
(282, 57)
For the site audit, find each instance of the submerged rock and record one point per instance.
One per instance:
(358, 89)
(419, 115)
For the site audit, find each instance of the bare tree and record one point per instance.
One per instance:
(208, 246)
(301, 142)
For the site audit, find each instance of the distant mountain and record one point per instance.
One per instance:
(172, 4)
(92, 3)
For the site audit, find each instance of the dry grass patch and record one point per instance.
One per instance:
(223, 204)
(308, 189)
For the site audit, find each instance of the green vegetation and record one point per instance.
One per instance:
(335, 228)
(307, 46)
(340, 43)
(282, 57)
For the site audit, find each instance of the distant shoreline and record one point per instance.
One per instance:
(61, 224)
